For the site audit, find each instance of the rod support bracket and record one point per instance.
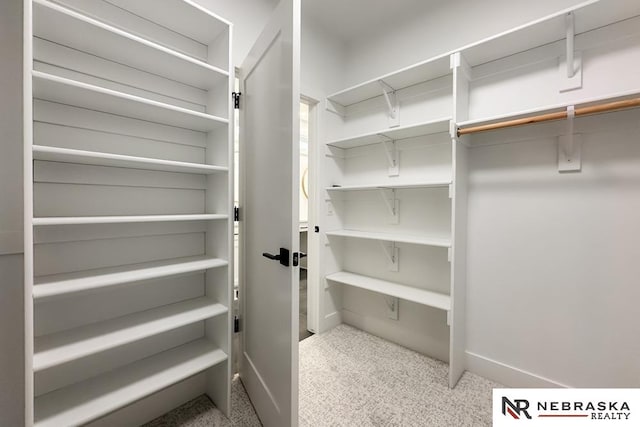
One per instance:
(393, 105)
(570, 146)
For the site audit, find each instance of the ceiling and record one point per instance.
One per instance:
(353, 19)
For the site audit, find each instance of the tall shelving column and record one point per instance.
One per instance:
(128, 209)
(394, 209)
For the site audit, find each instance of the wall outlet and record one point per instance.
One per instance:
(393, 307)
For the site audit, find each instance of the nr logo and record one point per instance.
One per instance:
(516, 409)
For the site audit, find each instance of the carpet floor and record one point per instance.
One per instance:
(350, 378)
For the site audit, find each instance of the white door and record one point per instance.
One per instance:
(269, 120)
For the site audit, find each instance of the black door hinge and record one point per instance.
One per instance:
(236, 99)
(236, 213)
(297, 257)
(236, 324)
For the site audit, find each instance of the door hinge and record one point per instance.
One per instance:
(236, 213)
(297, 257)
(236, 324)
(236, 99)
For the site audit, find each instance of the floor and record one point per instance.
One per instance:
(350, 378)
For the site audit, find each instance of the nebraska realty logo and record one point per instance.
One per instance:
(566, 407)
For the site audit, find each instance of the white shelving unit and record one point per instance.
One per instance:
(420, 185)
(128, 206)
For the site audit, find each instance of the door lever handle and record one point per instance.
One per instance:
(283, 256)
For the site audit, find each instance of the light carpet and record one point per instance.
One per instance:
(350, 378)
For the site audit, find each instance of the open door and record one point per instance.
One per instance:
(269, 239)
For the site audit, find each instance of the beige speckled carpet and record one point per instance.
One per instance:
(350, 378)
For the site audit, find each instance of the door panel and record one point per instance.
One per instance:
(269, 120)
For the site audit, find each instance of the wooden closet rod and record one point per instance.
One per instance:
(593, 109)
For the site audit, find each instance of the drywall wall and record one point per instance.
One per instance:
(11, 289)
(552, 258)
(248, 18)
(436, 28)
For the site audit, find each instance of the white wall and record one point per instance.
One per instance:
(448, 25)
(11, 289)
(248, 18)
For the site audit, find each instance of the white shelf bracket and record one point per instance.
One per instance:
(392, 203)
(570, 68)
(391, 150)
(570, 146)
(392, 253)
(393, 105)
(335, 108)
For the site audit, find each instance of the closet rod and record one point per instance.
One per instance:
(592, 109)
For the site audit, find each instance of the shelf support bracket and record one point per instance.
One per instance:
(392, 203)
(392, 253)
(570, 146)
(393, 105)
(335, 108)
(391, 150)
(570, 68)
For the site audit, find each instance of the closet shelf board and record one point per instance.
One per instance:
(400, 79)
(403, 132)
(70, 92)
(88, 400)
(391, 237)
(67, 283)
(390, 186)
(69, 28)
(589, 15)
(70, 155)
(62, 347)
(124, 219)
(408, 293)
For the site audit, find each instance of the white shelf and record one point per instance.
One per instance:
(363, 187)
(70, 92)
(391, 237)
(409, 293)
(398, 133)
(62, 284)
(70, 155)
(124, 219)
(69, 28)
(405, 77)
(88, 400)
(589, 15)
(56, 349)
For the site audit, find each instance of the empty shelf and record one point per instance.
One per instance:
(390, 237)
(405, 77)
(88, 400)
(589, 15)
(69, 28)
(56, 349)
(124, 219)
(434, 184)
(61, 284)
(70, 155)
(70, 92)
(402, 132)
(409, 293)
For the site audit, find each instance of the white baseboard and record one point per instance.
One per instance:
(507, 375)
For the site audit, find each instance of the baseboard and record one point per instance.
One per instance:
(331, 321)
(507, 375)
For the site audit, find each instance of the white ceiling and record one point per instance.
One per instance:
(353, 19)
